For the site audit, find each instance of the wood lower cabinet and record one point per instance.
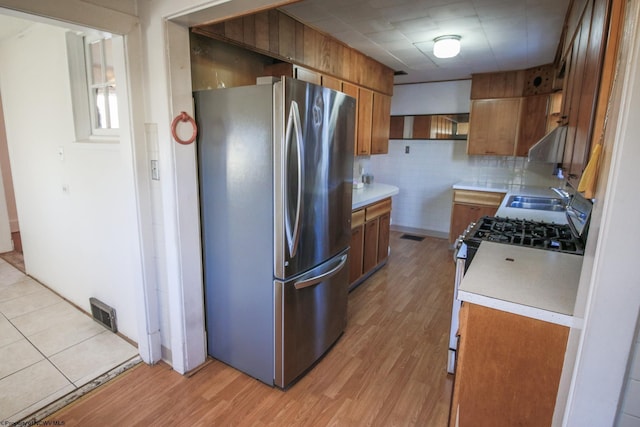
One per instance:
(356, 252)
(469, 206)
(508, 369)
(370, 227)
(370, 255)
(384, 223)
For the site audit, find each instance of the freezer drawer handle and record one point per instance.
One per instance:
(317, 279)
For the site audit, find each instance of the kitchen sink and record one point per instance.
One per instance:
(536, 203)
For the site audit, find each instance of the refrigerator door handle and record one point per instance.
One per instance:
(293, 125)
(305, 283)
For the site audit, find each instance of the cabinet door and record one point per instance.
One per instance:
(356, 253)
(533, 122)
(365, 116)
(508, 369)
(352, 91)
(590, 57)
(380, 124)
(370, 256)
(331, 82)
(396, 127)
(307, 75)
(383, 236)
(493, 126)
(463, 215)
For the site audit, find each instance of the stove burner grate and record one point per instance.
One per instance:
(541, 235)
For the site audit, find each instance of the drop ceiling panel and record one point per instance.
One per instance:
(497, 35)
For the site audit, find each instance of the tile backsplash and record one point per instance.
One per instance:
(427, 172)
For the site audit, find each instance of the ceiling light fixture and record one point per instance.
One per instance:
(446, 46)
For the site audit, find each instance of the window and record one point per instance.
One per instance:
(93, 86)
(101, 83)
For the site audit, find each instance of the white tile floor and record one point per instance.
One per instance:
(48, 348)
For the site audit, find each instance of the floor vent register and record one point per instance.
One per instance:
(412, 237)
(103, 314)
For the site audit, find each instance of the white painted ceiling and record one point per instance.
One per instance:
(10, 26)
(497, 35)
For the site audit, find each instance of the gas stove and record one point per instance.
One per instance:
(521, 232)
(566, 238)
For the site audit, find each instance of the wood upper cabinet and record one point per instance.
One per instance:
(469, 206)
(493, 126)
(365, 121)
(307, 75)
(584, 59)
(507, 84)
(331, 82)
(508, 369)
(533, 122)
(380, 125)
(278, 35)
(396, 127)
(352, 91)
(510, 111)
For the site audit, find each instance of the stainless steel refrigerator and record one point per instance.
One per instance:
(275, 168)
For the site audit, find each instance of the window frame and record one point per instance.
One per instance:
(89, 40)
(81, 95)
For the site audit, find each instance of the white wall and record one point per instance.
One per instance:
(629, 413)
(6, 244)
(7, 180)
(76, 213)
(425, 175)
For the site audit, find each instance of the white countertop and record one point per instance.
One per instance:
(530, 282)
(372, 193)
(516, 189)
(539, 284)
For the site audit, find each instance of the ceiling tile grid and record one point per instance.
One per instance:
(496, 35)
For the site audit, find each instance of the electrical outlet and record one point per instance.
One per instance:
(407, 149)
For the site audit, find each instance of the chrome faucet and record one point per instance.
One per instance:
(564, 194)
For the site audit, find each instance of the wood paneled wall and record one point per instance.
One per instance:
(278, 35)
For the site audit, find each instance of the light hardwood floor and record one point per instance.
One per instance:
(388, 369)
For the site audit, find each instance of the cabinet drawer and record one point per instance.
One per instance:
(378, 209)
(357, 218)
(485, 198)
